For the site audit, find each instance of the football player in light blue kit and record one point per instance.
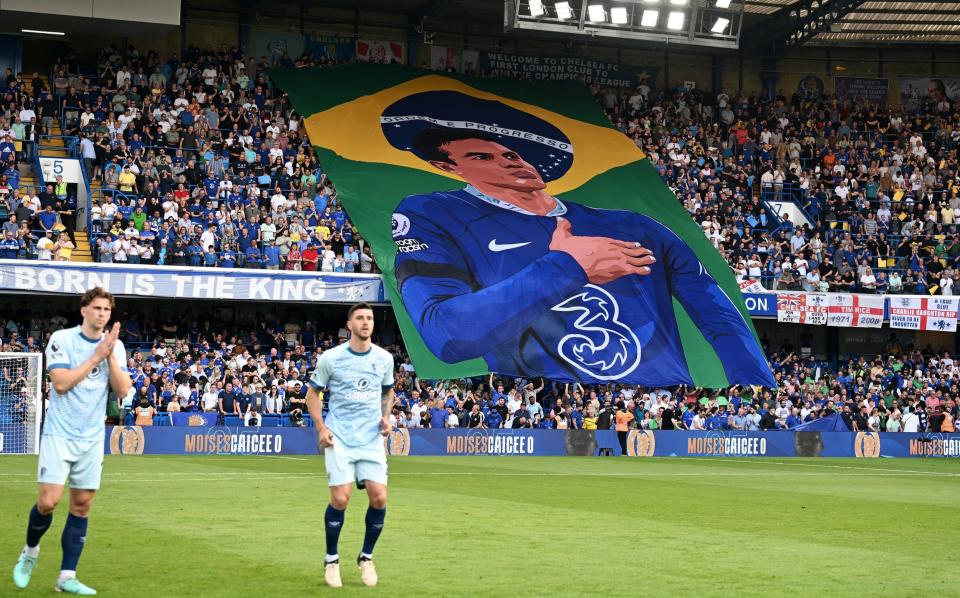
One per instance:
(359, 378)
(83, 362)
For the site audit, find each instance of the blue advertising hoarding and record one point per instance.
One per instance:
(761, 305)
(221, 440)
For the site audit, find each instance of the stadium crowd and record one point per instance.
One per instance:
(206, 164)
(877, 184)
(248, 371)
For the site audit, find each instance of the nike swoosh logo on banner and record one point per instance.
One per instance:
(494, 246)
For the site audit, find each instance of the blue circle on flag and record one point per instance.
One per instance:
(537, 141)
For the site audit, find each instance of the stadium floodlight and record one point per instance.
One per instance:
(723, 3)
(41, 32)
(658, 21)
(675, 20)
(536, 8)
(720, 26)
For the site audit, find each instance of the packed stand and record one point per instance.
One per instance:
(207, 165)
(203, 164)
(260, 372)
(878, 184)
(37, 221)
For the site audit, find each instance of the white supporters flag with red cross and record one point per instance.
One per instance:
(855, 311)
(924, 313)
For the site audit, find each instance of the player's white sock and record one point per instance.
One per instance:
(65, 575)
(364, 555)
(31, 552)
(332, 557)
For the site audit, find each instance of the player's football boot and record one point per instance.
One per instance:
(368, 573)
(73, 586)
(331, 574)
(23, 570)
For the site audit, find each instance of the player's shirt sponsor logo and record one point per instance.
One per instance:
(494, 246)
(599, 344)
(411, 245)
(362, 390)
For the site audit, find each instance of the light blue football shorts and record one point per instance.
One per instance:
(346, 464)
(79, 461)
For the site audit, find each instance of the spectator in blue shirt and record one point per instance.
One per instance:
(493, 419)
(48, 218)
(210, 258)
(713, 421)
(211, 185)
(253, 256)
(9, 247)
(195, 252)
(271, 256)
(339, 217)
(438, 416)
(688, 415)
(793, 420)
(228, 259)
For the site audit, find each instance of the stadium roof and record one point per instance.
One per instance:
(773, 22)
(874, 22)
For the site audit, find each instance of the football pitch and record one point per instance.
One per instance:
(502, 526)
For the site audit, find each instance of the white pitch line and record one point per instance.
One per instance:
(770, 462)
(131, 478)
(273, 457)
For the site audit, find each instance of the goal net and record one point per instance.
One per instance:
(20, 402)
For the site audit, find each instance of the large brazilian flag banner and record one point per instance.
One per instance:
(519, 233)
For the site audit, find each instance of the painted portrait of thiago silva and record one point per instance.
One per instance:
(498, 268)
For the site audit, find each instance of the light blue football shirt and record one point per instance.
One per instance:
(78, 414)
(356, 382)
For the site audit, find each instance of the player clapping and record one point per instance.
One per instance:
(83, 362)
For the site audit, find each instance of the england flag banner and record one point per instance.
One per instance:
(924, 313)
(855, 311)
(802, 308)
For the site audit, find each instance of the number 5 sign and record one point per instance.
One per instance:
(68, 168)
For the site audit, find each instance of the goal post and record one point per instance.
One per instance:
(21, 402)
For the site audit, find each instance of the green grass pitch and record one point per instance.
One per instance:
(252, 526)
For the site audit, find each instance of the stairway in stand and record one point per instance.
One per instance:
(56, 148)
(82, 252)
